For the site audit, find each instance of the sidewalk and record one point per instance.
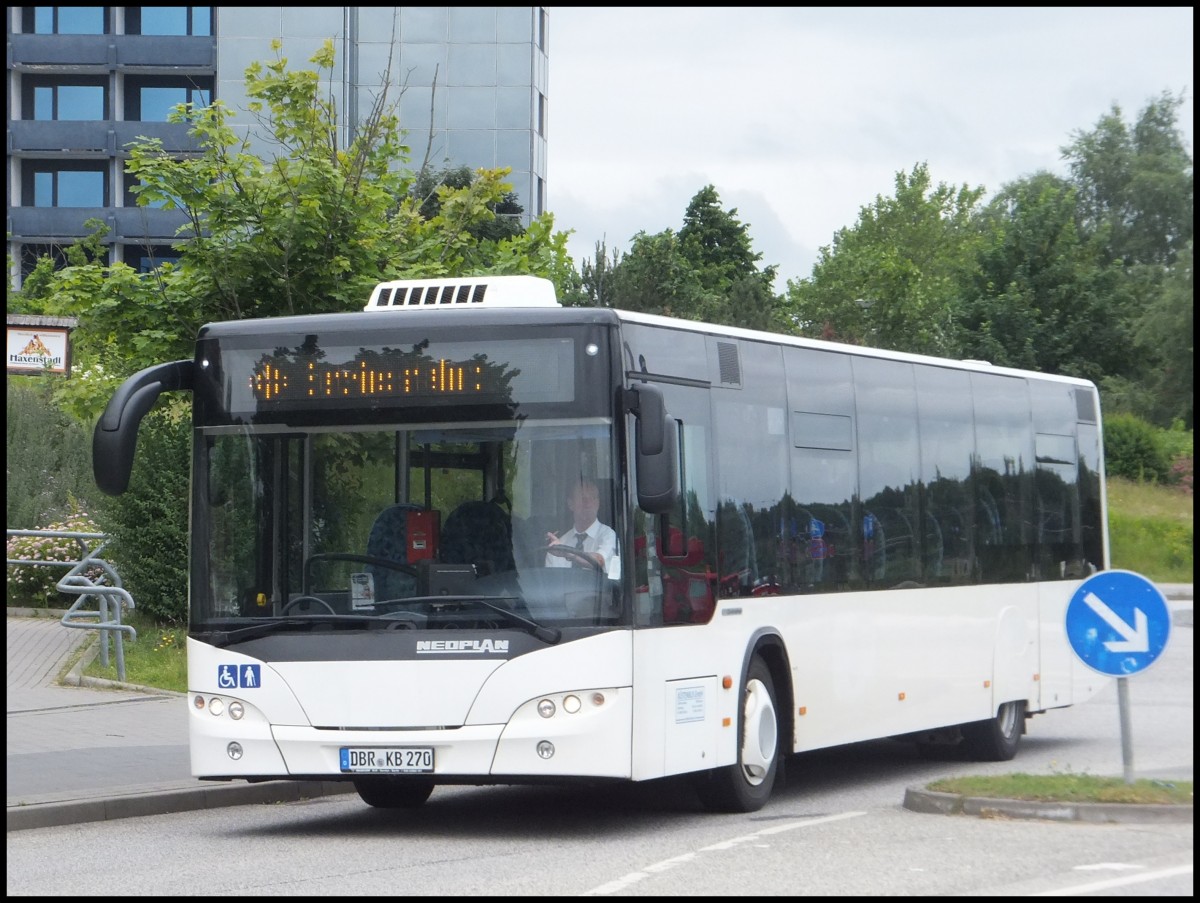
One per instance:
(89, 750)
(94, 750)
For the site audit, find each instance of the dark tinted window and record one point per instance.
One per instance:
(947, 442)
(752, 463)
(888, 466)
(1003, 478)
(818, 538)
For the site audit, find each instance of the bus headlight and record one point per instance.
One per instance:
(545, 708)
(545, 749)
(216, 705)
(236, 711)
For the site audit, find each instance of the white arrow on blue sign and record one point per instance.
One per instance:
(1118, 622)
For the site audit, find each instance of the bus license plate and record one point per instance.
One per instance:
(384, 760)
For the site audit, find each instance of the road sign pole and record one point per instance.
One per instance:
(1126, 728)
(1118, 623)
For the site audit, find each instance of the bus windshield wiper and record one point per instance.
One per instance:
(223, 638)
(546, 634)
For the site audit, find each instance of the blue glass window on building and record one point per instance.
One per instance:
(64, 19)
(169, 20)
(48, 100)
(67, 185)
(151, 99)
(156, 103)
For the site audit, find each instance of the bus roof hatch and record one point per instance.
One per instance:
(477, 291)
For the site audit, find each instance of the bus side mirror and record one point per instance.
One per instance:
(115, 437)
(656, 451)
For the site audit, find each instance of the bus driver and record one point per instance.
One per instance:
(586, 535)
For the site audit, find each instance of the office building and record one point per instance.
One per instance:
(84, 81)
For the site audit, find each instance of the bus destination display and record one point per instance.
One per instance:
(319, 375)
(287, 381)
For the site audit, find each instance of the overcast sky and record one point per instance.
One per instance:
(801, 116)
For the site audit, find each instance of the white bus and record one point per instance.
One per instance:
(817, 545)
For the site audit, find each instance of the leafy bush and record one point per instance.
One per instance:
(1134, 449)
(48, 457)
(34, 585)
(1181, 474)
(149, 521)
(1179, 448)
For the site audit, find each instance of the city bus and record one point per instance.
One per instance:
(817, 544)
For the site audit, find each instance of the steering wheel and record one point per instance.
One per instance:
(577, 554)
(307, 602)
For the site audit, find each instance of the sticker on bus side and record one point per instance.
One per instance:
(234, 677)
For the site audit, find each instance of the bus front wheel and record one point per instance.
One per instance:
(394, 793)
(746, 786)
(995, 739)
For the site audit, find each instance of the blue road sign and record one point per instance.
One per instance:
(1118, 622)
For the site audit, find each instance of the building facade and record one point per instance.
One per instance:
(85, 81)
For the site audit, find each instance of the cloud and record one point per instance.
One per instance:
(801, 116)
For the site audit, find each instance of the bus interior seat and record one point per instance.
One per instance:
(478, 533)
(388, 539)
(689, 584)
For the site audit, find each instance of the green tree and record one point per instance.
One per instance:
(1134, 185)
(734, 291)
(1042, 297)
(597, 279)
(718, 243)
(706, 271)
(1164, 331)
(893, 279)
(48, 464)
(506, 218)
(655, 277)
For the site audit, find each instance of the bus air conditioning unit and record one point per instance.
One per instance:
(470, 292)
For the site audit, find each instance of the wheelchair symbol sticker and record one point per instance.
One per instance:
(232, 677)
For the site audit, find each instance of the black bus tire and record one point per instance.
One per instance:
(393, 792)
(746, 785)
(996, 739)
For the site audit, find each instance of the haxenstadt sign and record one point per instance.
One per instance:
(39, 344)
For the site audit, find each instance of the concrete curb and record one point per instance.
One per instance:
(918, 799)
(165, 802)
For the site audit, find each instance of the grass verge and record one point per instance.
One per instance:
(1068, 788)
(157, 658)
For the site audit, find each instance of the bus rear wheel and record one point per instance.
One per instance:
(394, 792)
(746, 786)
(996, 739)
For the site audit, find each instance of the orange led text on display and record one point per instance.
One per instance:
(274, 383)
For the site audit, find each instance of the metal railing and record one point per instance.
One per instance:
(109, 597)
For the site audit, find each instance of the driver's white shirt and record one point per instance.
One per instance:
(600, 538)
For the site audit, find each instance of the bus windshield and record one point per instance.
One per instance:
(308, 523)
